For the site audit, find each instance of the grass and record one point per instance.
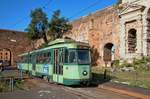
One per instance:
(18, 85)
(3, 87)
(136, 78)
(140, 79)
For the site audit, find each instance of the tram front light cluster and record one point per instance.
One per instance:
(84, 73)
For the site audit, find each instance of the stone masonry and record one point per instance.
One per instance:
(98, 29)
(135, 16)
(14, 41)
(120, 33)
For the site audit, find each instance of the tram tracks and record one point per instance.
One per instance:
(85, 94)
(71, 90)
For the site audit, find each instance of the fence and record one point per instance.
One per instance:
(10, 83)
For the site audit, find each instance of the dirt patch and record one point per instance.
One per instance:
(30, 83)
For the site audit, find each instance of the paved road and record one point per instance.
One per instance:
(45, 90)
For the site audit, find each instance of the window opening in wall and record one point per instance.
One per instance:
(132, 41)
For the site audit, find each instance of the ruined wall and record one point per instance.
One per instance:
(15, 41)
(98, 29)
(134, 16)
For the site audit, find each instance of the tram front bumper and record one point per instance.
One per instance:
(75, 81)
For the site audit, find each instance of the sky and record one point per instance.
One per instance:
(15, 14)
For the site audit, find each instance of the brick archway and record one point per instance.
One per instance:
(148, 32)
(132, 40)
(108, 50)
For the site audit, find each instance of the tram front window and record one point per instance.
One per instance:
(83, 57)
(72, 56)
(79, 56)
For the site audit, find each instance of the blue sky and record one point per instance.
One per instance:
(15, 14)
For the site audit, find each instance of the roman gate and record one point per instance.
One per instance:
(134, 29)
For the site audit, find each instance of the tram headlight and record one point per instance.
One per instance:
(84, 73)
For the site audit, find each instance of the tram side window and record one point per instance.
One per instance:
(20, 59)
(43, 58)
(47, 56)
(30, 58)
(24, 59)
(39, 58)
(66, 56)
(72, 57)
(61, 60)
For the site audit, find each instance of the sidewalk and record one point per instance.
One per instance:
(137, 92)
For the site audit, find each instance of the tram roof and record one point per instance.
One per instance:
(55, 42)
(61, 41)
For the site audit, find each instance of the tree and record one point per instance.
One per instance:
(119, 2)
(118, 5)
(38, 25)
(58, 25)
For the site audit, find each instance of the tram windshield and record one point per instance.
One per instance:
(83, 56)
(79, 56)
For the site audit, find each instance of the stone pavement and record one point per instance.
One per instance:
(137, 92)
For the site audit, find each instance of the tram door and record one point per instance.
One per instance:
(58, 66)
(33, 64)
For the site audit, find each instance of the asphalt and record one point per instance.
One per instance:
(141, 93)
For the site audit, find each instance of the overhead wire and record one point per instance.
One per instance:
(22, 19)
(49, 1)
(84, 9)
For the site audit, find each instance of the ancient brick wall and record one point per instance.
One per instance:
(15, 41)
(98, 29)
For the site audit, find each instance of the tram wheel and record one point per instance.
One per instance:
(46, 78)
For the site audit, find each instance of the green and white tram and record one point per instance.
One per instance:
(64, 61)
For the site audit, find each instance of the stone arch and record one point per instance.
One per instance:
(148, 13)
(148, 31)
(6, 56)
(108, 52)
(132, 40)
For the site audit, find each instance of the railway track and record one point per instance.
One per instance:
(72, 90)
(82, 93)
(89, 92)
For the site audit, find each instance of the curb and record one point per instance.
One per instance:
(126, 92)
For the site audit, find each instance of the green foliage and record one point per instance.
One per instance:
(3, 87)
(20, 85)
(117, 5)
(116, 63)
(58, 25)
(38, 25)
(119, 2)
(141, 64)
(138, 64)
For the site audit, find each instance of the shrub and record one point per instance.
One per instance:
(116, 63)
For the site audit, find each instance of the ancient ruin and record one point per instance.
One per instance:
(115, 33)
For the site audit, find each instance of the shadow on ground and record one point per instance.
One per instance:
(96, 80)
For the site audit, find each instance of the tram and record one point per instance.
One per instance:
(64, 61)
